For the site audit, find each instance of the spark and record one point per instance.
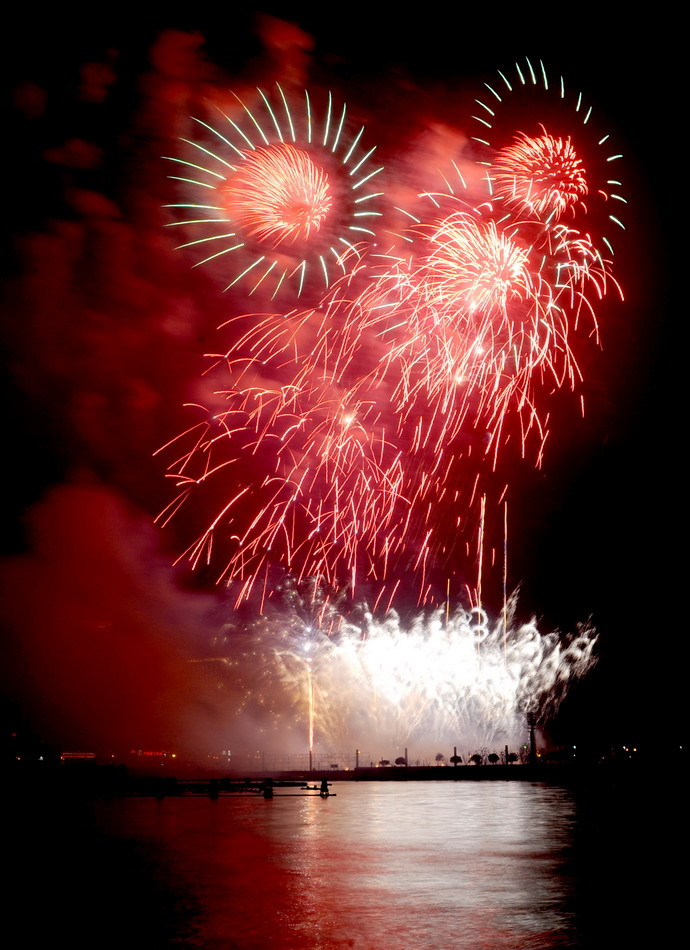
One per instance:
(352, 681)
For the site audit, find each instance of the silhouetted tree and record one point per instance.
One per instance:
(439, 757)
(401, 760)
(493, 758)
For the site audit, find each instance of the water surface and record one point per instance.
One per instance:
(380, 865)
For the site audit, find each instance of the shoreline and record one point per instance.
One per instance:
(92, 780)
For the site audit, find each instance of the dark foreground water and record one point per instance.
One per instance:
(381, 865)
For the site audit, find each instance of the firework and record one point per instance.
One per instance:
(344, 429)
(533, 167)
(277, 196)
(340, 470)
(433, 681)
(470, 328)
(349, 447)
(542, 175)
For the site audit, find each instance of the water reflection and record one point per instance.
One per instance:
(382, 866)
(407, 867)
(411, 865)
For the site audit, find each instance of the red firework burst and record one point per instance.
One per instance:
(278, 195)
(345, 429)
(473, 266)
(550, 170)
(540, 175)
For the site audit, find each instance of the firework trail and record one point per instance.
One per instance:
(276, 195)
(344, 429)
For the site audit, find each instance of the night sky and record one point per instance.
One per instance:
(105, 325)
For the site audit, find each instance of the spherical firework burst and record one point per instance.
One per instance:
(279, 198)
(544, 155)
(278, 195)
(541, 175)
(469, 325)
(474, 267)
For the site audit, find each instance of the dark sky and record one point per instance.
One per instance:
(104, 328)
